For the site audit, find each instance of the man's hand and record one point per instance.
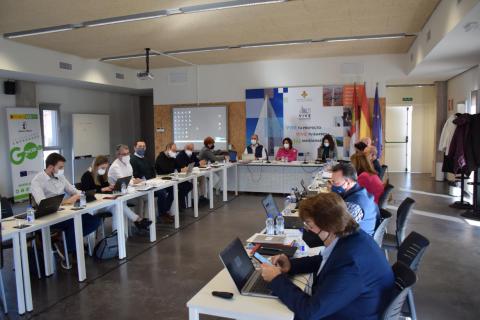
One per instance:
(282, 262)
(203, 163)
(184, 169)
(72, 199)
(107, 189)
(270, 272)
(137, 180)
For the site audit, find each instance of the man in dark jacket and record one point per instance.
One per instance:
(184, 158)
(166, 164)
(360, 203)
(143, 169)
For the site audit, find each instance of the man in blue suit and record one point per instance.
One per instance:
(350, 279)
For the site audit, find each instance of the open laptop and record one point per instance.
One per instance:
(120, 181)
(271, 209)
(189, 170)
(233, 156)
(248, 280)
(90, 195)
(46, 206)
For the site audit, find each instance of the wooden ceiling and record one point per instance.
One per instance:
(298, 19)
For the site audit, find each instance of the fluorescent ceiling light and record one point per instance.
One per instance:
(128, 57)
(275, 44)
(196, 50)
(368, 37)
(227, 5)
(129, 18)
(35, 32)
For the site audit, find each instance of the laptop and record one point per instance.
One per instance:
(248, 281)
(47, 206)
(120, 181)
(233, 156)
(189, 170)
(90, 195)
(271, 209)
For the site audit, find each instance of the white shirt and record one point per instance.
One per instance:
(43, 186)
(118, 170)
(325, 255)
(447, 134)
(254, 147)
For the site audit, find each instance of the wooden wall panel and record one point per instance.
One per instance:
(237, 128)
(163, 119)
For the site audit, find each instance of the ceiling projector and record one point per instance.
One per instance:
(145, 75)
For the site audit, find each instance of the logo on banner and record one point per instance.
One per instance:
(30, 151)
(304, 94)
(305, 113)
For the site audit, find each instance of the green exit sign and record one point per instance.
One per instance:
(407, 99)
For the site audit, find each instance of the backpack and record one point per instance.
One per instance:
(107, 248)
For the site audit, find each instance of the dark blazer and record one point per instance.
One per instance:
(356, 282)
(165, 164)
(87, 182)
(183, 160)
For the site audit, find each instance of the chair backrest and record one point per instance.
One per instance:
(381, 228)
(383, 200)
(382, 173)
(402, 214)
(7, 210)
(412, 249)
(405, 278)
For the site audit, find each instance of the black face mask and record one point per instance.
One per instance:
(212, 147)
(312, 239)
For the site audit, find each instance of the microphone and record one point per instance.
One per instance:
(268, 161)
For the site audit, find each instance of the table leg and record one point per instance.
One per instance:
(236, 179)
(175, 206)
(151, 216)
(224, 182)
(26, 272)
(120, 226)
(195, 196)
(193, 314)
(82, 273)
(210, 188)
(47, 251)
(17, 265)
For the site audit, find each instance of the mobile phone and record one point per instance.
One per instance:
(262, 259)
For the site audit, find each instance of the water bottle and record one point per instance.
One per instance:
(30, 214)
(270, 225)
(209, 164)
(124, 188)
(83, 200)
(280, 224)
(175, 174)
(287, 202)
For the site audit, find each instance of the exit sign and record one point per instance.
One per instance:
(407, 99)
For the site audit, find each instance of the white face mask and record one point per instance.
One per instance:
(286, 146)
(101, 171)
(172, 154)
(253, 141)
(326, 144)
(126, 159)
(59, 173)
(189, 152)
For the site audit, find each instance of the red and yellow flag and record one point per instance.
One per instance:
(365, 123)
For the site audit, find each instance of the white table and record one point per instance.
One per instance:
(11, 233)
(274, 177)
(223, 168)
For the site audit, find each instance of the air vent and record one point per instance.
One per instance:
(65, 65)
(177, 77)
(120, 76)
(429, 35)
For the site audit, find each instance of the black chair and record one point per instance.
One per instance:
(410, 253)
(393, 241)
(381, 174)
(382, 227)
(383, 200)
(405, 278)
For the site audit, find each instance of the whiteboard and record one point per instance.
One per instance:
(193, 124)
(91, 134)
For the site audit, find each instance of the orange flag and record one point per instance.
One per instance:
(365, 123)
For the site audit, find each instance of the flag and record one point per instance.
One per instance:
(355, 121)
(377, 125)
(365, 128)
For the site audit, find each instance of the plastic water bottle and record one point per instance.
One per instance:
(83, 200)
(270, 225)
(280, 224)
(30, 214)
(124, 188)
(175, 174)
(209, 164)
(287, 202)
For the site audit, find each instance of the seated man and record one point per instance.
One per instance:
(121, 168)
(143, 169)
(165, 164)
(184, 158)
(360, 203)
(51, 182)
(207, 153)
(256, 148)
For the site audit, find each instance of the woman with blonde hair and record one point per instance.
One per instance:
(367, 176)
(96, 178)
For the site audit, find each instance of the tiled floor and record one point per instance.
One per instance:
(158, 279)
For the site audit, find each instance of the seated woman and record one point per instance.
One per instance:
(350, 279)
(96, 178)
(287, 151)
(328, 149)
(372, 153)
(367, 176)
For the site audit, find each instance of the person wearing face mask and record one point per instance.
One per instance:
(166, 164)
(256, 148)
(184, 158)
(96, 178)
(360, 203)
(143, 169)
(287, 151)
(121, 168)
(349, 279)
(52, 182)
(328, 149)
(207, 153)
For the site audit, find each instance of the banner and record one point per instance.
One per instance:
(25, 152)
(304, 114)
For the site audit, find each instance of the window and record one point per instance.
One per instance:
(50, 120)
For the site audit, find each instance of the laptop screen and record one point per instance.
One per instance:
(237, 262)
(270, 206)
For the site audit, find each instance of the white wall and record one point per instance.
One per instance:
(5, 176)
(228, 82)
(460, 87)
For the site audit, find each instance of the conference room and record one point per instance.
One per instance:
(239, 159)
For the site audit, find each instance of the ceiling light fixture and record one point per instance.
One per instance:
(368, 37)
(34, 32)
(196, 50)
(275, 44)
(128, 18)
(128, 57)
(227, 5)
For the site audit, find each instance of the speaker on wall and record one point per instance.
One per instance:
(9, 87)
